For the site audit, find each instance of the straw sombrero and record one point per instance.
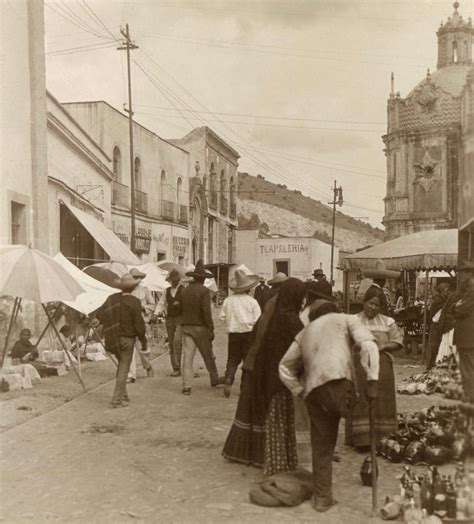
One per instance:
(278, 279)
(126, 282)
(137, 274)
(242, 282)
(380, 272)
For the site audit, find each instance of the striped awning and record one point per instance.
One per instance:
(437, 249)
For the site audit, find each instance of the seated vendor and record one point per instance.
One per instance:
(24, 350)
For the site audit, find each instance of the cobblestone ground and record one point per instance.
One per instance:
(157, 461)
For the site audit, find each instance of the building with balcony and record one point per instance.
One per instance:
(161, 179)
(212, 200)
(427, 142)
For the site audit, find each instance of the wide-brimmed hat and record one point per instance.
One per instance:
(321, 289)
(318, 273)
(261, 279)
(200, 271)
(126, 282)
(137, 274)
(278, 279)
(380, 272)
(242, 282)
(174, 276)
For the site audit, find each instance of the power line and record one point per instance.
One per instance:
(96, 16)
(80, 49)
(263, 124)
(266, 116)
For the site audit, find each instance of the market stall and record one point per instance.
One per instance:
(423, 251)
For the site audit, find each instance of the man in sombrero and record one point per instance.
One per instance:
(379, 277)
(240, 313)
(197, 326)
(147, 303)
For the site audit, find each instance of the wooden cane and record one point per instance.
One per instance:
(373, 456)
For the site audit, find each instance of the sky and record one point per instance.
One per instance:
(298, 87)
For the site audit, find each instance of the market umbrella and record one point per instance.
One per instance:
(96, 292)
(28, 273)
(155, 279)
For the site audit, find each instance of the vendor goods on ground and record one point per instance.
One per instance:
(433, 436)
(432, 498)
(444, 378)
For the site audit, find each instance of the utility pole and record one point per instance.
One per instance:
(337, 199)
(127, 45)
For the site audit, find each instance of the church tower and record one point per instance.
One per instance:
(455, 40)
(424, 140)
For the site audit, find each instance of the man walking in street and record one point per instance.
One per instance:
(240, 313)
(123, 323)
(262, 293)
(171, 307)
(321, 358)
(198, 327)
(147, 303)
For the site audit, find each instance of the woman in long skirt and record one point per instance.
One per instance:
(270, 396)
(245, 442)
(389, 338)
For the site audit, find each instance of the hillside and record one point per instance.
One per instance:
(275, 209)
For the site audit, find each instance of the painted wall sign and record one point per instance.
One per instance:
(180, 246)
(142, 240)
(283, 248)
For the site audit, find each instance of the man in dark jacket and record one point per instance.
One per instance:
(464, 332)
(262, 293)
(198, 327)
(128, 325)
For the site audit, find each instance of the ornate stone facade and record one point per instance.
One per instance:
(425, 137)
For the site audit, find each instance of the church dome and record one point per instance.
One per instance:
(450, 79)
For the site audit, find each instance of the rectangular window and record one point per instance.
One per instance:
(181, 260)
(160, 256)
(282, 266)
(18, 223)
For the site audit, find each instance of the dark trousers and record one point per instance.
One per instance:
(175, 341)
(326, 405)
(237, 349)
(124, 359)
(466, 367)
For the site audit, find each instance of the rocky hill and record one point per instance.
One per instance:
(275, 209)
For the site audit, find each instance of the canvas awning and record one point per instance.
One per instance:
(105, 237)
(433, 250)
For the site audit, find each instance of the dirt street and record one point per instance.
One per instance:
(158, 460)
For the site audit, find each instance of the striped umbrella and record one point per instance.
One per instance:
(28, 273)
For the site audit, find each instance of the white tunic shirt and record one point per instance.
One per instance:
(240, 313)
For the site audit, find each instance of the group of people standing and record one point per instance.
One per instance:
(303, 346)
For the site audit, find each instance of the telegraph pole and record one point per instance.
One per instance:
(128, 45)
(337, 199)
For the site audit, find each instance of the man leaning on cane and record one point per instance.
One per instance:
(322, 350)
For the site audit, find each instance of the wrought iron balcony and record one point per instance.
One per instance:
(183, 214)
(141, 201)
(224, 205)
(167, 210)
(120, 195)
(233, 210)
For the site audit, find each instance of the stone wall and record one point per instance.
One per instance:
(275, 220)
